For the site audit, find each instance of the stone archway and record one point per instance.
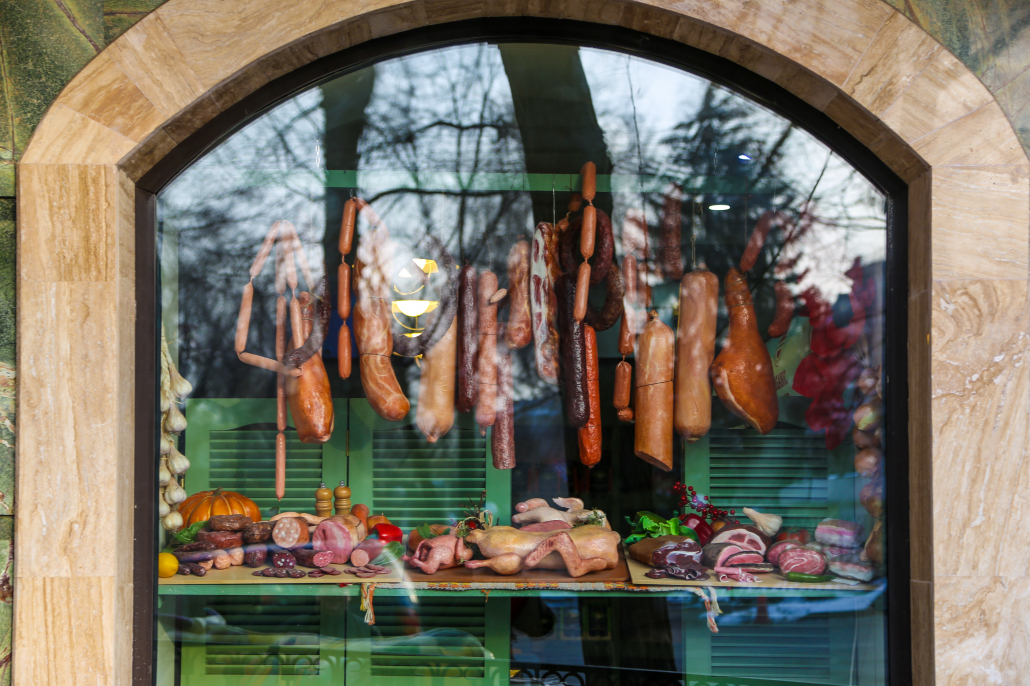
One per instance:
(859, 61)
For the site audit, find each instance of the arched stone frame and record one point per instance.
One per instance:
(859, 61)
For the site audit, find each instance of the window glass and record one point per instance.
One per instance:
(377, 330)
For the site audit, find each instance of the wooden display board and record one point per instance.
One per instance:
(245, 575)
(526, 576)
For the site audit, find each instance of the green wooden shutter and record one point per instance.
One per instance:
(397, 472)
(281, 641)
(791, 652)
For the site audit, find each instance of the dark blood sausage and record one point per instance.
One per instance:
(613, 306)
(234, 522)
(222, 539)
(669, 256)
(502, 439)
(590, 435)
(296, 574)
(468, 340)
(269, 571)
(258, 532)
(195, 569)
(255, 555)
(572, 343)
(306, 557)
(784, 310)
(195, 552)
(283, 560)
(603, 251)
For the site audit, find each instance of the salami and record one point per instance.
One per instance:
(306, 557)
(290, 532)
(669, 253)
(573, 354)
(255, 555)
(543, 305)
(283, 560)
(333, 537)
(518, 332)
(590, 435)
(468, 340)
(502, 438)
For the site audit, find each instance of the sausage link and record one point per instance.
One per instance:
(587, 232)
(543, 304)
(582, 291)
(626, 337)
(669, 254)
(629, 278)
(604, 248)
(468, 340)
(784, 310)
(695, 350)
(589, 186)
(435, 412)
(280, 466)
(343, 352)
(343, 291)
(623, 387)
(625, 415)
(656, 361)
(502, 437)
(243, 321)
(757, 240)
(590, 435)
(486, 411)
(573, 354)
(350, 214)
(519, 331)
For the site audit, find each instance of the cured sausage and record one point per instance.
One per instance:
(626, 337)
(519, 331)
(669, 255)
(589, 185)
(343, 285)
(784, 310)
(613, 307)
(742, 373)
(656, 360)
(573, 354)
(623, 387)
(290, 532)
(309, 395)
(543, 305)
(343, 357)
(588, 231)
(757, 240)
(372, 323)
(590, 435)
(582, 291)
(629, 278)
(695, 349)
(502, 438)
(435, 413)
(604, 249)
(625, 414)
(350, 215)
(468, 340)
(486, 363)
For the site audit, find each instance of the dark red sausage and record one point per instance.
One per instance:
(573, 353)
(502, 438)
(468, 340)
(784, 310)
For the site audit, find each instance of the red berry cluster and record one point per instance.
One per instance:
(687, 493)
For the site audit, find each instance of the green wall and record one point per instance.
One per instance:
(43, 43)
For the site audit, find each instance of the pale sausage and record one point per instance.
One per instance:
(543, 305)
(695, 350)
(519, 331)
(486, 363)
(435, 412)
(656, 361)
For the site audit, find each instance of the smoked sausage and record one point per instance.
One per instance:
(612, 309)
(669, 254)
(604, 248)
(742, 373)
(757, 239)
(343, 357)
(350, 215)
(435, 413)
(343, 285)
(468, 340)
(695, 349)
(590, 435)
(588, 232)
(573, 354)
(519, 331)
(372, 324)
(502, 437)
(784, 310)
(486, 363)
(309, 396)
(623, 388)
(656, 360)
(543, 305)
(582, 291)
(589, 181)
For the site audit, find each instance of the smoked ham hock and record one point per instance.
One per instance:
(742, 373)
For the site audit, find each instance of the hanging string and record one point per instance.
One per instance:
(693, 250)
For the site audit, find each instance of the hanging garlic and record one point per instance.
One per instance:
(177, 462)
(162, 507)
(172, 521)
(174, 493)
(164, 475)
(768, 523)
(180, 386)
(174, 421)
(167, 443)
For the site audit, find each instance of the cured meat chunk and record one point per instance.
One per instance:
(778, 548)
(839, 532)
(852, 567)
(333, 537)
(715, 554)
(745, 535)
(745, 557)
(802, 560)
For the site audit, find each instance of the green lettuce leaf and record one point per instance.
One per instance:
(391, 554)
(188, 534)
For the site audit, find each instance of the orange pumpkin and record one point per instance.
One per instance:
(200, 507)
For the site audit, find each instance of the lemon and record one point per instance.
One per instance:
(167, 565)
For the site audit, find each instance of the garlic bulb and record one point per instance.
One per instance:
(162, 507)
(768, 523)
(174, 421)
(174, 493)
(163, 473)
(177, 462)
(180, 386)
(167, 443)
(172, 521)
(165, 403)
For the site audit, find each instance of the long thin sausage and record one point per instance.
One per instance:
(669, 254)
(519, 331)
(468, 339)
(486, 363)
(350, 214)
(343, 355)
(590, 435)
(784, 310)
(589, 186)
(343, 287)
(695, 350)
(656, 361)
(573, 354)
(502, 437)
(435, 413)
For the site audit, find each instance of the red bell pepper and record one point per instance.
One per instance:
(387, 533)
(702, 528)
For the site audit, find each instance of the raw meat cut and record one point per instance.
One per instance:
(746, 557)
(333, 536)
(803, 560)
(777, 548)
(852, 567)
(839, 532)
(715, 554)
(754, 568)
(745, 535)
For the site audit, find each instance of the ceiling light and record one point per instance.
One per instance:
(718, 208)
(746, 158)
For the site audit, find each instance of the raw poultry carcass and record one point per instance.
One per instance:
(579, 550)
(536, 510)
